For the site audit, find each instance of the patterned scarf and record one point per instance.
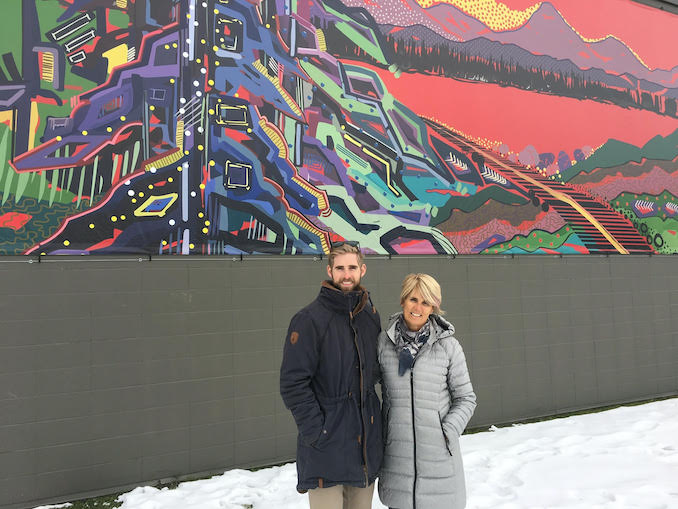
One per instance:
(408, 343)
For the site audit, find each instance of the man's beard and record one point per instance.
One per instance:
(339, 286)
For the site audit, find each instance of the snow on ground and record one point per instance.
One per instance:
(626, 458)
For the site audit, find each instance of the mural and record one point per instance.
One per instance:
(278, 126)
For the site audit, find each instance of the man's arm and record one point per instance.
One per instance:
(299, 365)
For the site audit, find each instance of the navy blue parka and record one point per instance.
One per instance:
(327, 379)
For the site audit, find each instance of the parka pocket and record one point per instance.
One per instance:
(445, 439)
(386, 423)
(329, 429)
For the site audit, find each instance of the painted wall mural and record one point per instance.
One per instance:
(278, 126)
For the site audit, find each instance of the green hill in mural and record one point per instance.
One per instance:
(615, 153)
(653, 215)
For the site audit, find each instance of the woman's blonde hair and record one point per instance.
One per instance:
(427, 286)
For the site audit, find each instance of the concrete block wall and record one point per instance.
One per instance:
(121, 371)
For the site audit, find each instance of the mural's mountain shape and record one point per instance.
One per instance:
(512, 53)
(546, 33)
(615, 153)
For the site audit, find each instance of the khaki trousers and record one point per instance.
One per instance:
(341, 497)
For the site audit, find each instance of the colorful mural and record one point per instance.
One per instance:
(278, 126)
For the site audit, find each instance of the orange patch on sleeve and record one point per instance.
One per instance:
(294, 337)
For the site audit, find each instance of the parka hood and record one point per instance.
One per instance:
(334, 298)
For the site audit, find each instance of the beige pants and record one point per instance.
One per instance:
(341, 497)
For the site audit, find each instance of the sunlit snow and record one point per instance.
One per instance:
(624, 458)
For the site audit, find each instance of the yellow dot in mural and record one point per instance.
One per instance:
(91, 226)
(197, 60)
(123, 117)
(43, 253)
(215, 49)
(201, 148)
(202, 186)
(210, 83)
(174, 45)
(249, 129)
(134, 200)
(67, 242)
(212, 163)
(84, 133)
(109, 129)
(171, 80)
(123, 217)
(141, 194)
(179, 168)
(205, 230)
(236, 94)
(167, 46)
(216, 11)
(150, 186)
(493, 13)
(164, 242)
(192, 246)
(114, 218)
(58, 138)
(170, 179)
(217, 63)
(268, 25)
(343, 127)
(151, 107)
(207, 223)
(203, 41)
(210, 111)
(188, 15)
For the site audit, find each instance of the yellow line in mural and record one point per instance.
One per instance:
(275, 137)
(180, 134)
(173, 157)
(322, 44)
(47, 67)
(565, 198)
(320, 196)
(388, 169)
(276, 83)
(300, 220)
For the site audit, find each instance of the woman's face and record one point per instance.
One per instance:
(416, 310)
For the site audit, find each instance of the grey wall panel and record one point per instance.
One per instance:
(115, 372)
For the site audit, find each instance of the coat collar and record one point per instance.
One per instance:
(440, 328)
(343, 302)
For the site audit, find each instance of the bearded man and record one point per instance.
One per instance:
(327, 379)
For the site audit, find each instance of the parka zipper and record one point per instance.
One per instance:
(414, 439)
(361, 402)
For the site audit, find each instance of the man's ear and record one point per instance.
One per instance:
(363, 269)
(329, 272)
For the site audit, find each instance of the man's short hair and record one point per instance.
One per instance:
(427, 286)
(345, 247)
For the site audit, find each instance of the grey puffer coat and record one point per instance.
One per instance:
(425, 412)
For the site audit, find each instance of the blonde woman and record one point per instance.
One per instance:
(428, 401)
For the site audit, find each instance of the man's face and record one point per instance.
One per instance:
(346, 272)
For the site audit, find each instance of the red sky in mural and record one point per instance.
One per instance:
(649, 31)
(519, 117)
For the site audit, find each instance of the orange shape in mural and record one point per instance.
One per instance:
(14, 220)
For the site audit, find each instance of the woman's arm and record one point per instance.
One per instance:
(461, 392)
